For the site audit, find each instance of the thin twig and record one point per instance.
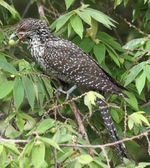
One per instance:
(80, 124)
(40, 8)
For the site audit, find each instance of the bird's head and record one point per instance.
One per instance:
(27, 27)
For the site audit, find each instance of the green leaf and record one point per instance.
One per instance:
(147, 71)
(99, 52)
(117, 2)
(26, 117)
(5, 88)
(135, 43)
(77, 25)
(29, 90)
(140, 82)
(59, 23)
(50, 142)
(90, 98)
(130, 123)
(62, 156)
(77, 165)
(18, 92)
(7, 67)
(11, 146)
(44, 125)
(28, 147)
(134, 72)
(86, 44)
(84, 159)
(38, 154)
(131, 100)
(1, 148)
(19, 122)
(109, 41)
(69, 3)
(113, 55)
(100, 17)
(84, 16)
(143, 164)
(11, 9)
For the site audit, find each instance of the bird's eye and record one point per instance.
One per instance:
(23, 29)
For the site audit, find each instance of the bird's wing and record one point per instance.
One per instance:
(68, 59)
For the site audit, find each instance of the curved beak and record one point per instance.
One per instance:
(13, 35)
(23, 34)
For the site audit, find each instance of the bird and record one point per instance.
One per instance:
(68, 62)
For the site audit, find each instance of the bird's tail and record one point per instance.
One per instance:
(111, 127)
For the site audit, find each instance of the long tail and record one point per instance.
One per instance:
(111, 127)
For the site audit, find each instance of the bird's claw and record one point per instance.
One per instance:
(68, 92)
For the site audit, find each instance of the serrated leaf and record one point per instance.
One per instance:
(44, 125)
(29, 90)
(99, 52)
(100, 17)
(84, 16)
(77, 25)
(84, 159)
(50, 142)
(18, 92)
(38, 154)
(7, 67)
(90, 99)
(5, 88)
(140, 82)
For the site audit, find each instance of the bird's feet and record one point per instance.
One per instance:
(68, 92)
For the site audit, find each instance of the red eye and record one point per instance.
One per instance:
(23, 29)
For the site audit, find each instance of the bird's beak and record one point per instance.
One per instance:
(12, 36)
(22, 35)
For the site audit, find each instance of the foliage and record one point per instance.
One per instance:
(37, 126)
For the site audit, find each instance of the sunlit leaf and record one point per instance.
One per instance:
(45, 125)
(84, 16)
(85, 159)
(100, 17)
(77, 25)
(38, 154)
(50, 142)
(11, 146)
